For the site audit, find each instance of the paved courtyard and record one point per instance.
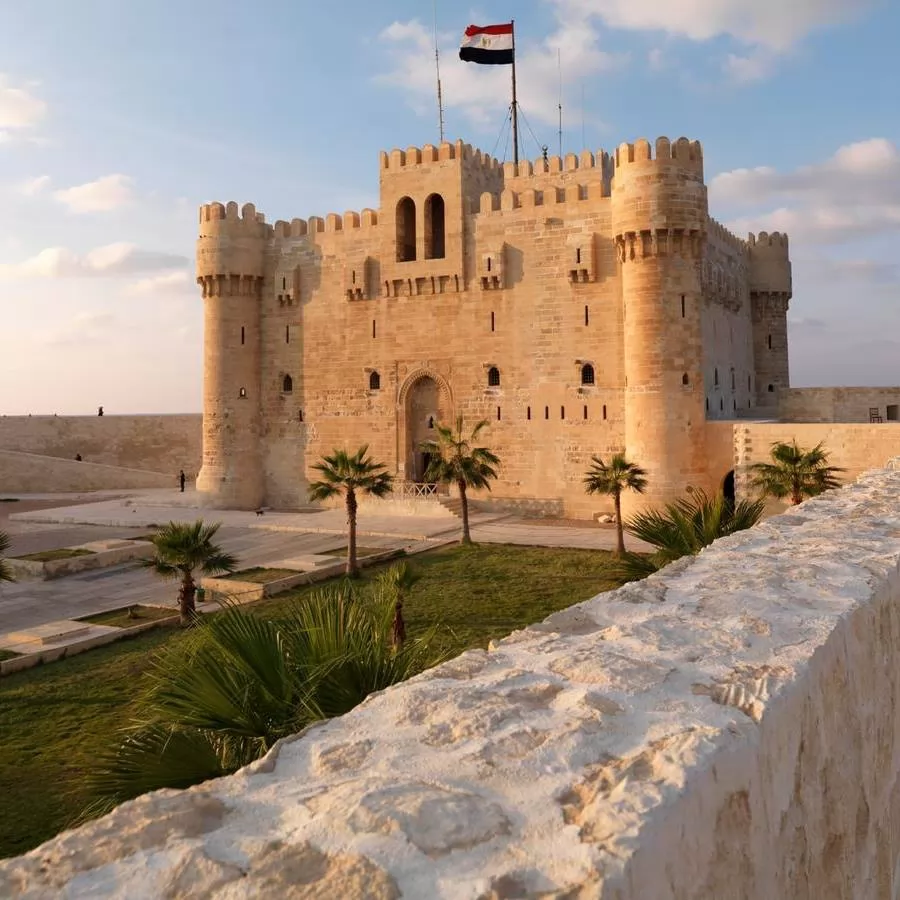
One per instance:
(36, 524)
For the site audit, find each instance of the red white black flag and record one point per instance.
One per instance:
(489, 45)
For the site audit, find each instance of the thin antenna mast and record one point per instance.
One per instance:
(437, 68)
(559, 63)
(583, 138)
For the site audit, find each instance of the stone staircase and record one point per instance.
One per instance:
(453, 505)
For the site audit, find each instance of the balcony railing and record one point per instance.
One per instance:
(415, 489)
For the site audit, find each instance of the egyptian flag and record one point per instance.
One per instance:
(491, 45)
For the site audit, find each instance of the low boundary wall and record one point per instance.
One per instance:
(727, 728)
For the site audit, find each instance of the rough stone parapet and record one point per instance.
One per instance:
(692, 735)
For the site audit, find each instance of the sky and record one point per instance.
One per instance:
(118, 119)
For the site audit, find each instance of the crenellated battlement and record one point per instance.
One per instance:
(548, 197)
(559, 165)
(719, 232)
(683, 153)
(228, 212)
(396, 160)
(332, 223)
(764, 239)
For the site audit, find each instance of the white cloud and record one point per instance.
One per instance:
(480, 92)
(19, 108)
(110, 260)
(755, 66)
(33, 186)
(854, 192)
(178, 282)
(776, 24)
(85, 327)
(107, 193)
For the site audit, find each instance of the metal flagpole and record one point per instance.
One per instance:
(437, 68)
(515, 111)
(559, 63)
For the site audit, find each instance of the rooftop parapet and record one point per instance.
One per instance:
(333, 222)
(231, 243)
(549, 196)
(682, 153)
(396, 159)
(718, 231)
(770, 263)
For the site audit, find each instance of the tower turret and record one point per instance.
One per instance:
(660, 216)
(770, 293)
(230, 269)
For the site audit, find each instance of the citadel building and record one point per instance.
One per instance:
(582, 305)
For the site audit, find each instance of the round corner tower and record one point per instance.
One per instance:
(660, 217)
(230, 268)
(770, 294)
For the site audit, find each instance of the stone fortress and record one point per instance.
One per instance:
(582, 305)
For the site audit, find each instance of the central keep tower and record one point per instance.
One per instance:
(659, 217)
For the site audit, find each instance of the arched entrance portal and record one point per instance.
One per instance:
(728, 487)
(425, 401)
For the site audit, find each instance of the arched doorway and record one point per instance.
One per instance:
(728, 487)
(425, 402)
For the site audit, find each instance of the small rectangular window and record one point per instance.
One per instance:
(587, 316)
(300, 414)
(492, 320)
(373, 328)
(498, 413)
(287, 334)
(585, 413)
(528, 413)
(682, 306)
(604, 412)
(242, 334)
(546, 412)
(562, 412)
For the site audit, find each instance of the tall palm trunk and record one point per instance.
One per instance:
(620, 534)
(464, 509)
(398, 628)
(186, 607)
(352, 567)
(796, 492)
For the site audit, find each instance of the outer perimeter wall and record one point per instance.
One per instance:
(153, 444)
(724, 730)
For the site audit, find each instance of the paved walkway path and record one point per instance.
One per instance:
(255, 540)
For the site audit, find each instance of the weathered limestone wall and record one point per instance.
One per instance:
(28, 473)
(156, 443)
(726, 729)
(838, 404)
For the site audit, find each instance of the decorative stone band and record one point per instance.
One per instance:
(726, 728)
(230, 285)
(633, 245)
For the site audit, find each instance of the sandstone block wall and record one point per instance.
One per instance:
(726, 729)
(28, 473)
(161, 444)
(838, 404)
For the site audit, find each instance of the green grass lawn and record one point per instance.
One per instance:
(7, 654)
(130, 616)
(61, 553)
(54, 719)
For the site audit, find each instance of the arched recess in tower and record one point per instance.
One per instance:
(424, 401)
(406, 230)
(434, 227)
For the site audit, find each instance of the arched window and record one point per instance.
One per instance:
(732, 379)
(771, 388)
(287, 384)
(431, 421)
(242, 393)
(374, 381)
(685, 380)
(493, 377)
(406, 230)
(716, 377)
(434, 227)
(587, 374)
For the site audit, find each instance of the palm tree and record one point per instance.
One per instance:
(5, 573)
(393, 586)
(684, 528)
(795, 472)
(454, 460)
(184, 548)
(620, 475)
(342, 472)
(238, 683)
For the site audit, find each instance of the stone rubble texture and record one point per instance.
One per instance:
(725, 729)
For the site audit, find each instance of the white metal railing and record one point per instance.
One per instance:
(415, 489)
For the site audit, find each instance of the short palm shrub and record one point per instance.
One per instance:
(684, 528)
(795, 473)
(5, 573)
(184, 549)
(238, 683)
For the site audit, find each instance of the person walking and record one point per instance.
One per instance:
(181, 480)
